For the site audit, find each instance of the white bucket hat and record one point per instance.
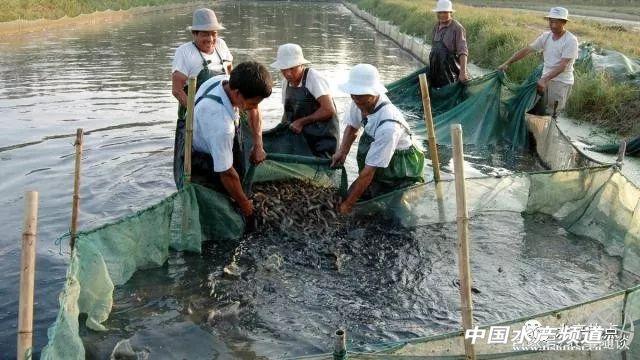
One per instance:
(443, 6)
(288, 56)
(205, 20)
(363, 80)
(559, 13)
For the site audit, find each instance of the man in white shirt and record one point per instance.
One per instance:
(388, 158)
(308, 106)
(217, 145)
(559, 49)
(204, 57)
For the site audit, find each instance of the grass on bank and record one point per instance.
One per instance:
(495, 34)
(55, 9)
(618, 9)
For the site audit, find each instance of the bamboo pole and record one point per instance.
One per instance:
(27, 276)
(431, 132)
(191, 95)
(340, 346)
(76, 190)
(463, 239)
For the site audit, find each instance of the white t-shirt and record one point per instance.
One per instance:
(214, 124)
(188, 61)
(316, 83)
(553, 51)
(388, 137)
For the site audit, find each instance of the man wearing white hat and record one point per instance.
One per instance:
(388, 158)
(559, 49)
(204, 57)
(308, 106)
(449, 52)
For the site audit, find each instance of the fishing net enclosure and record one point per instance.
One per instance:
(295, 195)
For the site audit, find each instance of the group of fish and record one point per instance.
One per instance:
(292, 208)
(296, 206)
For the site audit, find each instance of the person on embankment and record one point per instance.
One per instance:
(559, 50)
(449, 52)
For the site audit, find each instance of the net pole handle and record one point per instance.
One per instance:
(431, 132)
(622, 150)
(27, 276)
(75, 204)
(462, 220)
(191, 95)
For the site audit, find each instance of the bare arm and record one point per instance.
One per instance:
(324, 113)
(516, 57)
(557, 70)
(358, 188)
(349, 136)
(178, 81)
(258, 154)
(231, 182)
(463, 68)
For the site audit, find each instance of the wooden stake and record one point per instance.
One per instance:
(431, 132)
(76, 190)
(463, 239)
(191, 95)
(27, 276)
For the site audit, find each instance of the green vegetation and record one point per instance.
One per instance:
(619, 9)
(55, 9)
(495, 34)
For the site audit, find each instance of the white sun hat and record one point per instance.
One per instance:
(288, 56)
(363, 80)
(443, 6)
(205, 20)
(559, 13)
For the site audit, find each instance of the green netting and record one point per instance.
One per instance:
(490, 108)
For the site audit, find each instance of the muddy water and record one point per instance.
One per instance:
(113, 81)
(290, 292)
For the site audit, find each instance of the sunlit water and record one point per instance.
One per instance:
(114, 81)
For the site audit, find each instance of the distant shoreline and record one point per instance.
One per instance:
(17, 27)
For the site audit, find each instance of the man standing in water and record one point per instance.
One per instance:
(217, 147)
(448, 56)
(559, 49)
(308, 106)
(204, 57)
(388, 159)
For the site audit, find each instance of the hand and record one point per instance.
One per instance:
(258, 154)
(338, 159)
(246, 208)
(344, 208)
(463, 77)
(297, 126)
(542, 85)
(503, 67)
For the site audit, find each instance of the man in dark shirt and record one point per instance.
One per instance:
(448, 57)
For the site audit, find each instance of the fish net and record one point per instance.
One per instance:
(596, 203)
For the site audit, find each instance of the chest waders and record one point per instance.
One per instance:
(202, 163)
(321, 137)
(405, 168)
(178, 145)
(443, 66)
